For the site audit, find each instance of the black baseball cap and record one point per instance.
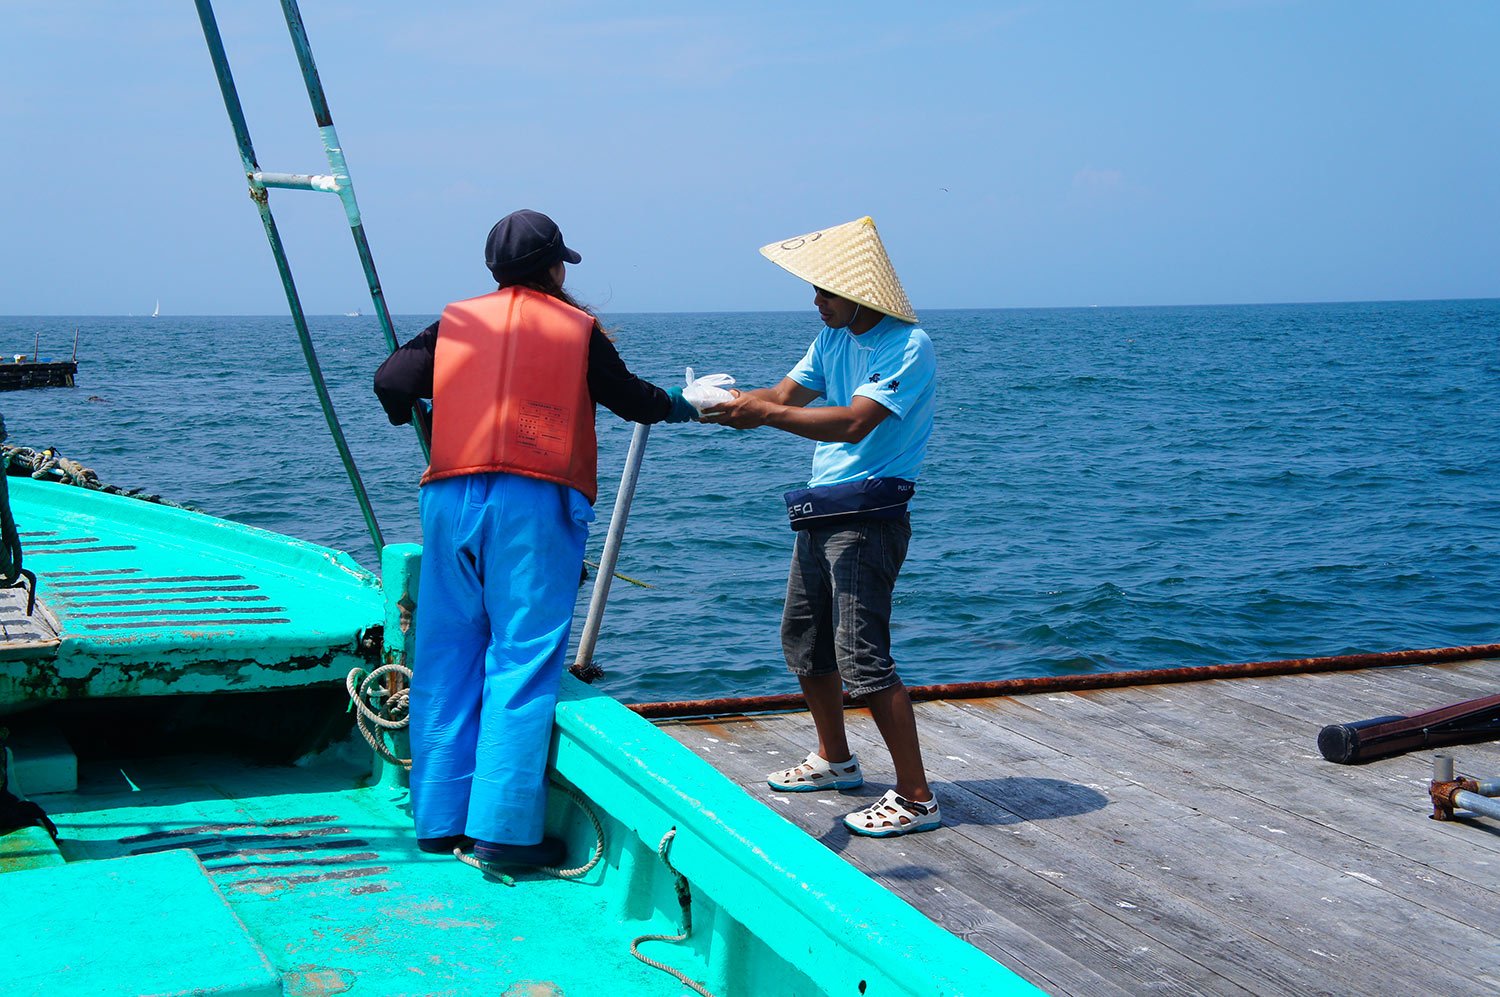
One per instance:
(524, 242)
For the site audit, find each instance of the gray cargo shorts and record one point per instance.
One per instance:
(838, 603)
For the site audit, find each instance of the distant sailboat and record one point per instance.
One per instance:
(353, 314)
(157, 310)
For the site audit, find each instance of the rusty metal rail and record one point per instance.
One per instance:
(1100, 680)
(1450, 792)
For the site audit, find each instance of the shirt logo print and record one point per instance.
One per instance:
(894, 385)
(874, 377)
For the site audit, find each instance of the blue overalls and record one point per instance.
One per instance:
(501, 558)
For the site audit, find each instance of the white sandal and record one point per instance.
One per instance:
(817, 772)
(892, 815)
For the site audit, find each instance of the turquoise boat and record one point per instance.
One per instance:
(209, 874)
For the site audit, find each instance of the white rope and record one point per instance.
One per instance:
(394, 715)
(573, 873)
(684, 896)
(685, 901)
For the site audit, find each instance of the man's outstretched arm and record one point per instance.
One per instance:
(788, 392)
(784, 407)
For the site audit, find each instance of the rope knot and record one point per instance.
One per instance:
(390, 712)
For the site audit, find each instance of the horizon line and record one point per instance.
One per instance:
(790, 311)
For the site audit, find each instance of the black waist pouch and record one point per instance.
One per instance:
(824, 506)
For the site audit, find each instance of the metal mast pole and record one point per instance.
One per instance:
(262, 202)
(344, 187)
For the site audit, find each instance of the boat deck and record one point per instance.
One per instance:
(327, 880)
(137, 598)
(1175, 839)
(27, 628)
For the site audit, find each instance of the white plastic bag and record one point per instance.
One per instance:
(707, 391)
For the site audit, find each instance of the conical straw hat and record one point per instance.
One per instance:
(848, 260)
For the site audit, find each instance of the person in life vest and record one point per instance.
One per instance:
(506, 504)
(875, 367)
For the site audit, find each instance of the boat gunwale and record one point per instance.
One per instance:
(846, 928)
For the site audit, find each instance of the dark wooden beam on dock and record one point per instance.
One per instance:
(37, 374)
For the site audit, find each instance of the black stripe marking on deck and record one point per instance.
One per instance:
(374, 870)
(275, 849)
(116, 581)
(202, 829)
(154, 611)
(286, 841)
(181, 624)
(313, 860)
(177, 588)
(185, 600)
(100, 571)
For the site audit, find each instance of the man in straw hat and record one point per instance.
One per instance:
(875, 367)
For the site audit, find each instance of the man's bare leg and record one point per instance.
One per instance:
(825, 701)
(893, 714)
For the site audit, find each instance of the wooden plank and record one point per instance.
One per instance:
(1400, 782)
(1292, 904)
(1146, 942)
(1189, 928)
(990, 923)
(1206, 778)
(1248, 773)
(1355, 799)
(1309, 837)
(1370, 700)
(1237, 728)
(1436, 685)
(1344, 697)
(1340, 698)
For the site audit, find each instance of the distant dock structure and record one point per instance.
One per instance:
(18, 371)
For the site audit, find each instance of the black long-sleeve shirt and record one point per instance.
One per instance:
(406, 375)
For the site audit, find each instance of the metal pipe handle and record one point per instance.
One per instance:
(1473, 802)
(583, 663)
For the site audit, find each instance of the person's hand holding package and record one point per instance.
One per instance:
(706, 392)
(744, 410)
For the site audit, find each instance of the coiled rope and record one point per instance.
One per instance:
(50, 465)
(573, 873)
(685, 901)
(394, 713)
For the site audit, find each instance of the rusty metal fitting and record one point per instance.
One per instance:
(1444, 792)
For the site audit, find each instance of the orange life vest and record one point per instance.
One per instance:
(510, 390)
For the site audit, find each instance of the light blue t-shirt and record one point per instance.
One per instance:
(894, 364)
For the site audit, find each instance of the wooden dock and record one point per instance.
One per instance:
(1175, 839)
(16, 375)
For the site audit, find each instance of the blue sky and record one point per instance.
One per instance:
(1040, 155)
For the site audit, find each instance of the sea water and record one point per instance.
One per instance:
(1106, 488)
